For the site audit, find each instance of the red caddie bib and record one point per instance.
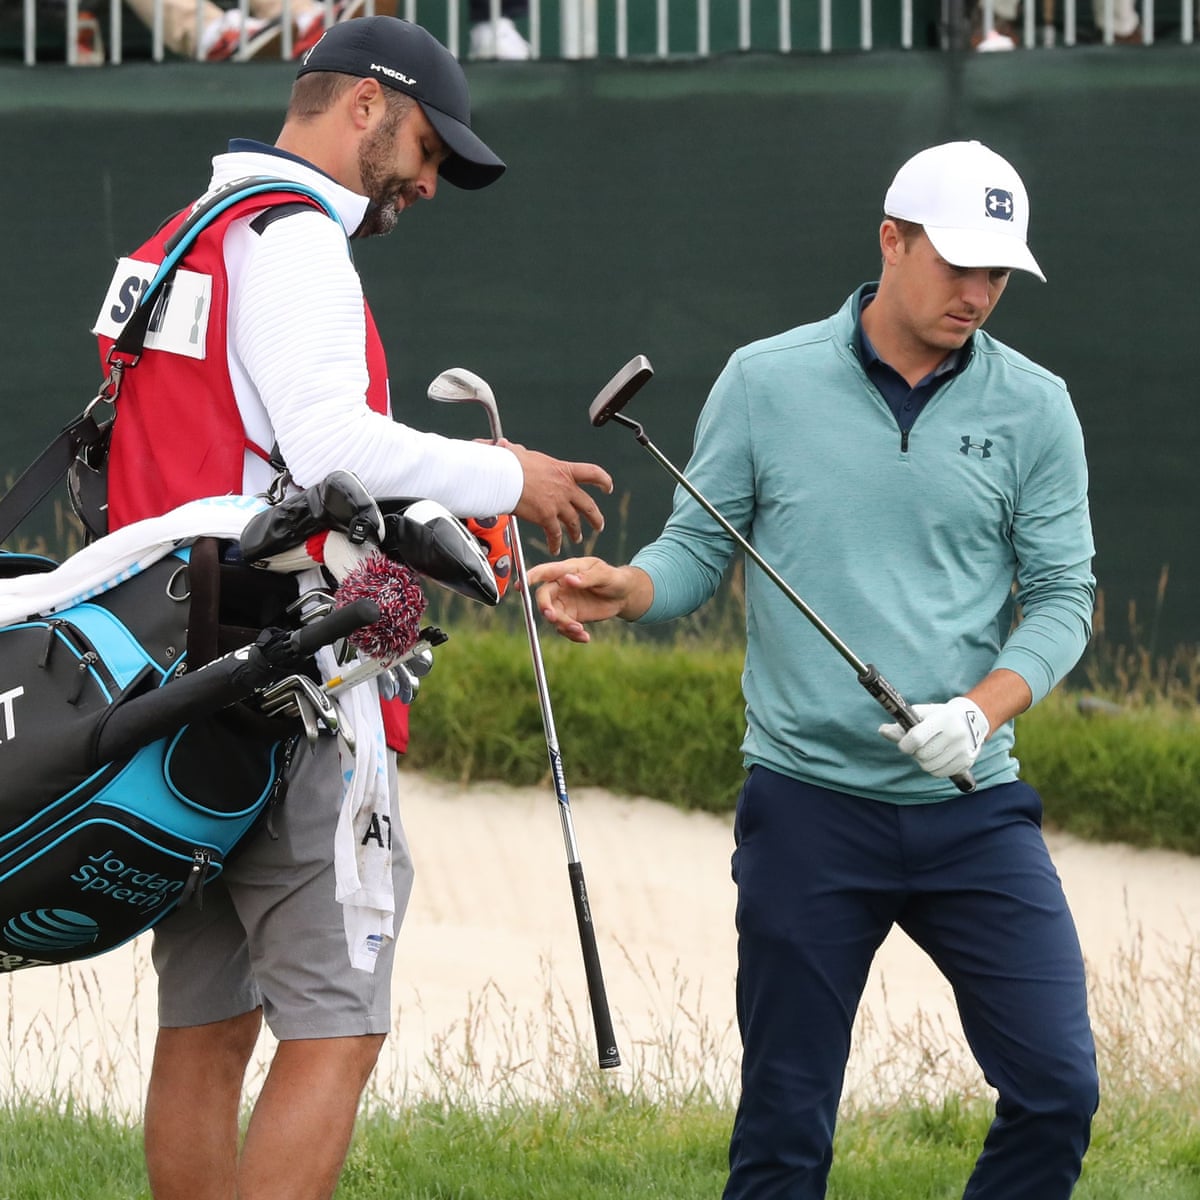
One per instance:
(179, 435)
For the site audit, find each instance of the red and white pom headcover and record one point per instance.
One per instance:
(363, 571)
(401, 602)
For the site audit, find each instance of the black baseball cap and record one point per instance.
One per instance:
(410, 59)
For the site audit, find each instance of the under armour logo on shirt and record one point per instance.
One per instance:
(999, 204)
(984, 447)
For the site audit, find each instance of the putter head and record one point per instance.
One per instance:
(620, 389)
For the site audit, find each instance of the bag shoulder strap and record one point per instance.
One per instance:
(48, 469)
(37, 480)
(133, 336)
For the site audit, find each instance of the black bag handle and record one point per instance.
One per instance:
(85, 430)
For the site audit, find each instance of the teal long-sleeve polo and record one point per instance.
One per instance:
(917, 550)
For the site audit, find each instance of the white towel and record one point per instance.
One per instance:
(119, 556)
(362, 842)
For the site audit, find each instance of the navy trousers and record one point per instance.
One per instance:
(821, 878)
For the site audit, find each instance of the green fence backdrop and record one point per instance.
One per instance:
(677, 210)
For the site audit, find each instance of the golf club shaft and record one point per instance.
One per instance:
(369, 668)
(868, 675)
(606, 1041)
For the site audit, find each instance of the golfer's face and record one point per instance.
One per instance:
(944, 303)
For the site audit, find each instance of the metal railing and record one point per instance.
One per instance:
(1042, 30)
(580, 24)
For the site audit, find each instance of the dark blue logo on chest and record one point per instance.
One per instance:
(984, 447)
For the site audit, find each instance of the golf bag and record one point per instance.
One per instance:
(148, 710)
(101, 835)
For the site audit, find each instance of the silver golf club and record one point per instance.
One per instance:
(460, 386)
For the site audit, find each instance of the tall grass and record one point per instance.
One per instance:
(1136, 671)
(912, 1130)
(545, 1124)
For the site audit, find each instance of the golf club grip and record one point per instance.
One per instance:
(338, 624)
(606, 1039)
(898, 707)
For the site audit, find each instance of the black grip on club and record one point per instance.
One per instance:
(339, 624)
(136, 720)
(899, 708)
(606, 1039)
(142, 719)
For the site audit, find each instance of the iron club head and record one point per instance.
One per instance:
(460, 386)
(420, 661)
(620, 389)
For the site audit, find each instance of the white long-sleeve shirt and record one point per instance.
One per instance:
(296, 346)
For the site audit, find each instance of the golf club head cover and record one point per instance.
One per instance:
(495, 535)
(426, 536)
(339, 502)
(394, 588)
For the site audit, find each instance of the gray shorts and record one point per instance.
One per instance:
(271, 933)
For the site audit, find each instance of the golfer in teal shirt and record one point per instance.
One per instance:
(924, 488)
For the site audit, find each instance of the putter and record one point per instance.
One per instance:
(459, 386)
(607, 406)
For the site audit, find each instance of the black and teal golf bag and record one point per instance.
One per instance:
(127, 775)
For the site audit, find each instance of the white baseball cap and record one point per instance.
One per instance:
(972, 203)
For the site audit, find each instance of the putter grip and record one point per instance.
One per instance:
(964, 780)
(606, 1039)
(338, 624)
(898, 707)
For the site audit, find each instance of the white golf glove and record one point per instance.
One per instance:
(947, 737)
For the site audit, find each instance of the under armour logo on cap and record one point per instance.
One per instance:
(999, 204)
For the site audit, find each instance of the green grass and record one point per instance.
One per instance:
(1128, 775)
(605, 1149)
(644, 719)
(47, 1154)
(615, 1147)
(926, 1153)
(628, 1148)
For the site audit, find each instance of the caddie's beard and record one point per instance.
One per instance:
(380, 187)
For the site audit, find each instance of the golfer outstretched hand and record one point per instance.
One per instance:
(553, 495)
(580, 591)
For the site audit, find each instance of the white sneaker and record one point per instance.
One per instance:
(503, 41)
(263, 39)
(310, 25)
(996, 41)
